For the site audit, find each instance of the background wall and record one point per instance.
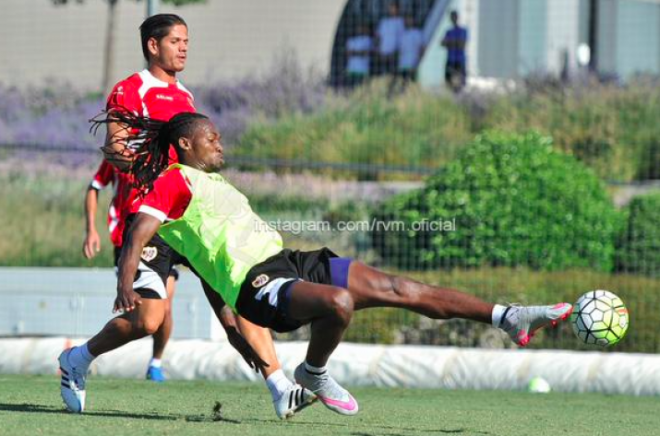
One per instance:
(229, 39)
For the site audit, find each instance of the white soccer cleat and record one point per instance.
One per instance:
(293, 400)
(522, 322)
(72, 386)
(327, 390)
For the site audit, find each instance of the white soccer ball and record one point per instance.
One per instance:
(600, 318)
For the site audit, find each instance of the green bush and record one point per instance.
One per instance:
(367, 128)
(639, 245)
(515, 201)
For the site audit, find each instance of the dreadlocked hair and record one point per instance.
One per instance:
(150, 142)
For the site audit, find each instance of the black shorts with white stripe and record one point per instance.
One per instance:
(156, 265)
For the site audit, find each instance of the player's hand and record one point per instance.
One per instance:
(126, 301)
(243, 347)
(92, 244)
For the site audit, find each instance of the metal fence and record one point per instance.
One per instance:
(318, 206)
(520, 182)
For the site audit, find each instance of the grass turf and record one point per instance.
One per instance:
(31, 405)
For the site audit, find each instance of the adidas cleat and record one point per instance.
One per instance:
(292, 401)
(72, 385)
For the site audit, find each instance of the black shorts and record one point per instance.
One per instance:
(176, 260)
(157, 263)
(265, 293)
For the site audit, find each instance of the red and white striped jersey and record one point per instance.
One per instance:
(148, 96)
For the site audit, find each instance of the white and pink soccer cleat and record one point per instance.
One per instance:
(327, 390)
(522, 322)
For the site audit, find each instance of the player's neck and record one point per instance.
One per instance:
(161, 74)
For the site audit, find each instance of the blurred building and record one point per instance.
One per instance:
(518, 38)
(43, 43)
(229, 38)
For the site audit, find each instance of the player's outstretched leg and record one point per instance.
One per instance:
(370, 287)
(74, 363)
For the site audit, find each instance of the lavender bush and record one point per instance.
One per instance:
(286, 90)
(289, 115)
(57, 117)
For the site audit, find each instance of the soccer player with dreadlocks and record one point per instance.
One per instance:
(156, 93)
(242, 261)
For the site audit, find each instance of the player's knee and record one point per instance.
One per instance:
(151, 326)
(146, 326)
(341, 305)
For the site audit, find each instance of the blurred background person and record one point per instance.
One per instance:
(389, 33)
(359, 48)
(410, 51)
(454, 41)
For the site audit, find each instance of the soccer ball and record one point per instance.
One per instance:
(599, 317)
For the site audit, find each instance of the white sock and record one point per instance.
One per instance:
(80, 357)
(156, 363)
(277, 384)
(315, 370)
(498, 313)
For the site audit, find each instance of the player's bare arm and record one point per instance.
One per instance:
(92, 243)
(143, 229)
(229, 321)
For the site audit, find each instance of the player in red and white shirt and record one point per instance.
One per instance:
(147, 96)
(156, 93)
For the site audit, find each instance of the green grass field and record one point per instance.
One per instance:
(31, 405)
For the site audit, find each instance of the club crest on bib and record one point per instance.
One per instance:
(149, 253)
(260, 280)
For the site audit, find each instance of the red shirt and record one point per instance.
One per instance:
(145, 95)
(149, 97)
(123, 196)
(170, 197)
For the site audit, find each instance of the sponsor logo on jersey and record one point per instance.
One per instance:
(164, 97)
(149, 253)
(261, 280)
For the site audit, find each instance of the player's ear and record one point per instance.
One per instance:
(184, 143)
(152, 46)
